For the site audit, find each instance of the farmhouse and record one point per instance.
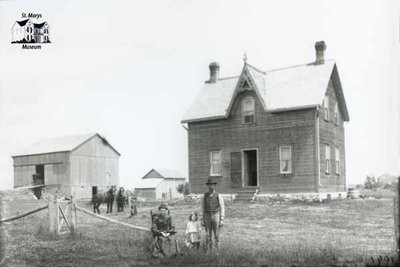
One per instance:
(160, 184)
(25, 31)
(80, 165)
(278, 131)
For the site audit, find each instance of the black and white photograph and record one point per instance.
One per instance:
(200, 133)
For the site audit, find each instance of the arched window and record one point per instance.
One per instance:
(248, 109)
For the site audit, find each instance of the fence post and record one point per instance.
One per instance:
(2, 232)
(51, 214)
(56, 205)
(72, 215)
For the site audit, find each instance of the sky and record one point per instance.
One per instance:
(129, 70)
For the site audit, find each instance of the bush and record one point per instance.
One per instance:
(371, 182)
(183, 189)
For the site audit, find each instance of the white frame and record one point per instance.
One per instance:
(249, 98)
(258, 166)
(211, 163)
(337, 161)
(327, 159)
(326, 108)
(280, 160)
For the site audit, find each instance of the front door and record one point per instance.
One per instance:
(244, 168)
(250, 168)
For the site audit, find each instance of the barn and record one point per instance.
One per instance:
(160, 184)
(80, 165)
(272, 132)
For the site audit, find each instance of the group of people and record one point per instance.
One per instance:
(213, 214)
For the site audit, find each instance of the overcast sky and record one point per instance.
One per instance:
(130, 69)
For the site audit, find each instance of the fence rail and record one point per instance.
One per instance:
(111, 220)
(23, 215)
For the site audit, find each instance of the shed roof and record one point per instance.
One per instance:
(148, 183)
(163, 173)
(295, 87)
(59, 144)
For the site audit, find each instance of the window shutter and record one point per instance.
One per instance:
(236, 169)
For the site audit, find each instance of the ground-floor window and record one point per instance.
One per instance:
(285, 159)
(215, 163)
(327, 159)
(337, 161)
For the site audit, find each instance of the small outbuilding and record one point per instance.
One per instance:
(160, 184)
(80, 165)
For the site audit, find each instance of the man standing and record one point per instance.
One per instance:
(213, 213)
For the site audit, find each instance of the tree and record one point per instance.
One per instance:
(183, 189)
(371, 182)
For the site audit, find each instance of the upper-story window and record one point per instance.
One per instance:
(248, 109)
(336, 112)
(215, 163)
(326, 108)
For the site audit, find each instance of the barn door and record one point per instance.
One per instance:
(236, 169)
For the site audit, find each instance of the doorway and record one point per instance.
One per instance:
(94, 191)
(38, 177)
(250, 168)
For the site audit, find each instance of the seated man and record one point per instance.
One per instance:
(162, 229)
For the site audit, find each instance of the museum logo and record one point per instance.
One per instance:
(30, 32)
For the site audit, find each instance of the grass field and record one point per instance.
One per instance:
(337, 233)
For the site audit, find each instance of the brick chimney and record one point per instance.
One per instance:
(320, 49)
(214, 72)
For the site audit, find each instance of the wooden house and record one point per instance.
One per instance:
(75, 165)
(160, 184)
(278, 131)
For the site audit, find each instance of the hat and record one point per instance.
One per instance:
(163, 206)
(211, 181)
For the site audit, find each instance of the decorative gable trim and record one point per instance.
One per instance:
(246, 82)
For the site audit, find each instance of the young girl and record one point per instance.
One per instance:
(193, 230)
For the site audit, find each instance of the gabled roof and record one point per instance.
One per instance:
(164, 174)
(295, 87)
(22, 23)
(60, 144)
(148, 183)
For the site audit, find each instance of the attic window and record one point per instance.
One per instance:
(248, 111)
(326, 108)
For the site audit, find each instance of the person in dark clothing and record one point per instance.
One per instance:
(213, 214)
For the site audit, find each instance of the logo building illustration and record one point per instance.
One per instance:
(25, 31)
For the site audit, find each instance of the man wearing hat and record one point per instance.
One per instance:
(162, 230)
(213, 213)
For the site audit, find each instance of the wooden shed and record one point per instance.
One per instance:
(160, 184)
(277, 131)
(80, 165)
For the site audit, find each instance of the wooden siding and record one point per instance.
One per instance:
(332, 134)
(49, 158)
(147, 193)
(56, 168)
(93, 164)
(169, 188)
(271, 130)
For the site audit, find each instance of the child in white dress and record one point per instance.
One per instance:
(193, 230)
